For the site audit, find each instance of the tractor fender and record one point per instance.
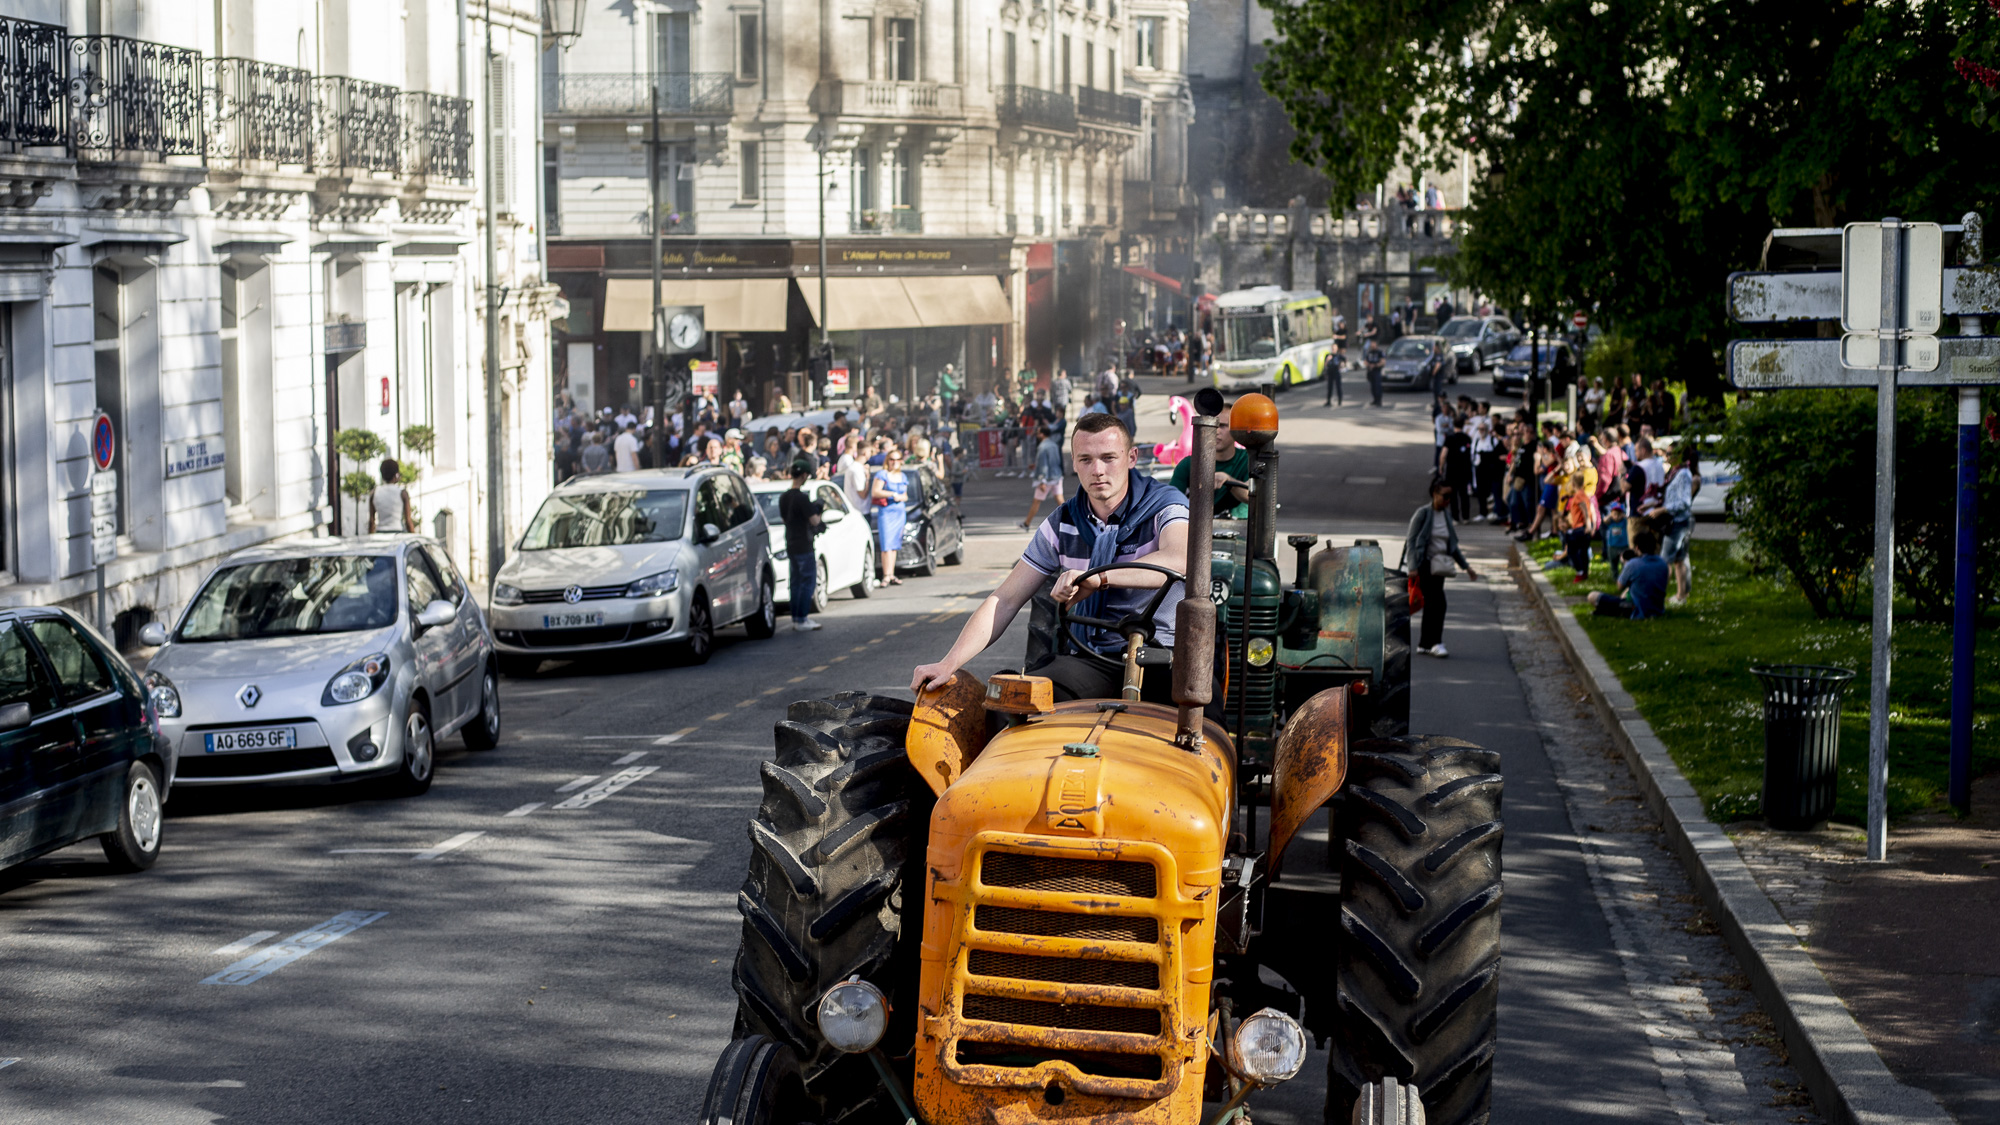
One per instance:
(1309, 766)
(948, 730)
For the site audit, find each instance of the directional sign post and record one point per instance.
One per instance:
(1891, 297)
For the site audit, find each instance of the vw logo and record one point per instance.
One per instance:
(573, 595)
(249, 696)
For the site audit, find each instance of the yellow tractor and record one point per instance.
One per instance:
(993, 908)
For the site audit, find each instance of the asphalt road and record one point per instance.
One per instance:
(546, 936)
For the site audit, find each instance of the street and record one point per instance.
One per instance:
(547, 935)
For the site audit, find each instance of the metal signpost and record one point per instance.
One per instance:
(1892, 295)
(103, 506)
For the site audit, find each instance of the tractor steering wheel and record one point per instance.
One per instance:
(1141, 622)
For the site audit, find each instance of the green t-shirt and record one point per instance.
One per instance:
(1237, 468)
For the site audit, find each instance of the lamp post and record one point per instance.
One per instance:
(562, 20)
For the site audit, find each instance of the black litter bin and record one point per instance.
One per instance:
(1801, 741)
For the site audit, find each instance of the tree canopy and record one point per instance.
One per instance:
(1636, 151)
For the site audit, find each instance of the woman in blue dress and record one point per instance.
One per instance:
(888, 491)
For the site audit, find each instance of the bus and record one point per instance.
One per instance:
(1271, 335)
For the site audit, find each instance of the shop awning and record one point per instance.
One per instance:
(866, 304)
(1159, 279)
(753, 304)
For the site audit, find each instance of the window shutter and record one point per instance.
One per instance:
(498, 72)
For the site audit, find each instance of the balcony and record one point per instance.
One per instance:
(1029, 108)
(34, 86)
(896, 220)
(133, 100)
(632, 95)
(257, 112)
(1102, 107)
(437, 136)
(894, 100)
(356, 127)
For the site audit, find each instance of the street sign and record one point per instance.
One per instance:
(706, 376)
(103, 516)
(1579, 320)
(1922, 271)
(1778, 298)
(184, 457)
(103, 442)
(836, 379)
(1770, 365)
(1864, 350)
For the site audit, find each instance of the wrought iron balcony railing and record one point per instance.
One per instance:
(631, 95)
(257, 112)
(437, 136)
(355, 126)
(133, 99)
(1107, 108)
(34, 85)
(1036, 109)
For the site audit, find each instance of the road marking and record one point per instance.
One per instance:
(892, 632)
(630, 758)
(453, 844)
(271, 958)
(578, 783)
(614, 737)
(1367, 480)
(796, 680)
(821, 668)
(840, 658)
(872, 641)
(5, 1063)
(606, 787)
(244, 944)
(771, 691)
(670, 739)
(717, 715)
(524, 810)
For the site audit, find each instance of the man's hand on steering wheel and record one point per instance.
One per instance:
(1079, 585)
(1073, 586)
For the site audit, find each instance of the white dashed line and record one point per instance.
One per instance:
(524, 810)
(453, 844)
(244, 944)
(670, 739)
(578, 783)
(5, 1063)
(606, 787)
(630, 758)
(271, 958)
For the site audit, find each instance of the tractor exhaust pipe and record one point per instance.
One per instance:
(1194, 620)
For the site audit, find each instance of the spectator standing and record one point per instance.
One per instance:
(948, 384)
(1676, 510)
(1489, 467)
(1520, 481)
(732, 449)
(596, 458)
(1330, 371)
(801, 515)
(1431, 555)
(739, 410)
(889, 492)
(1593, 405)
(1048, 475)
(1372, 359)
(1127, 399)
(1651, 487)
(1059, 391)
(1197, 350)
(565, 456)
(625, 449)
(1455, 466)
(1642, 581)
(1437, 369)
(389, 506)
(1579, 511)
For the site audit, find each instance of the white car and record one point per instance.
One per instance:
(846, 548)
(1717, 478)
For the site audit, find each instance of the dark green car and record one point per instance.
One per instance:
(80, 753)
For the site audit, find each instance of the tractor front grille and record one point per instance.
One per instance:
(1075, 1017)
(1257, 687)
(1069, 876)
(1048, 923)
(1063, 970)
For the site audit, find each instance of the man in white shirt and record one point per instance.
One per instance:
(626, 448)
(739, 410)
(625, 418)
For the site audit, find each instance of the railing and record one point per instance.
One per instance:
(626, 95)
(1394, 222)
(134, 99)
(892, 99)
(1109, 108)
(257, 111)
(437, 136)
(1036, 109)
(34, 85)
(897, 220)
(906, 220)
(355, 125)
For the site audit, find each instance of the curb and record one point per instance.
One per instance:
(1849, 1083)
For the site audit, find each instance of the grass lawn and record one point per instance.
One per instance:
(1689, 672)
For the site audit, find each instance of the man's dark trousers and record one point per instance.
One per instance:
(805, 578)
(1375, 385)
(1431, 632)
(1334, 391)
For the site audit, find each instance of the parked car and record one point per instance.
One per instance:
(80, 748)
(1478, 342)
(846, 549)
(1511, 376)
(636, 560)
(331, 660)
(1403, 362)
(934, 531)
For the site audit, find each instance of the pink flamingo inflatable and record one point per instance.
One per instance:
(1171, 452)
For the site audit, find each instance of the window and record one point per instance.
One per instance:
(499, 73)
(900, 41)
(454, 590)
(1010, 60)
(79, 672)
(232, 413)
(831, 497)
(1065, 64)
(425, 586)
(741, 509)
(107, 344)
(294, 597)
(22, 677)
(749, 46)
(671, 34)
(903, 180)
(610, 519)
(1111, 71)
(710, 507)
(863, 180)
(749, 192)
(1146, 42)
(1090, 65)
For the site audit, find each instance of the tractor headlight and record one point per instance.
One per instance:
(853, 1015)
(1259, 651)
(1268, 1048)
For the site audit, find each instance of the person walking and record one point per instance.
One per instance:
(1335, 360)
(1455, 466)
(1048, 474)
(1431, 555)
(1372, 359)
(389, 505)
(801, 515)
(1059, 390)
(1437, 370)
(625, 449)
(889, 493)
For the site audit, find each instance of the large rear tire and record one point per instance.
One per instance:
(756, 1082)
(837, 851)
(1417, 953)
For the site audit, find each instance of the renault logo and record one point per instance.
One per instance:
(249, 696)
(573, 595)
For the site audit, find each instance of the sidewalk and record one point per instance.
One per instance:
(1887, 965)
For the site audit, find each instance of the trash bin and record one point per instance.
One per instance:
(1801, 741)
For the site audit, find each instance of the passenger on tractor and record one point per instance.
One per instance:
(1118, 515)
(1232, 470)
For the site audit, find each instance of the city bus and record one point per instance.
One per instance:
(1271, 335)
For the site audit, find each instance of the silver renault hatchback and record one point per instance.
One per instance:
(327, 660)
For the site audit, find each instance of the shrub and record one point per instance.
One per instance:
(422, 439)
(359, 445)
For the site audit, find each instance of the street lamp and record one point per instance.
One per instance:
(563, 19)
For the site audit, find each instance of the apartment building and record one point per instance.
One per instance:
(230, 231)
(983, 171)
